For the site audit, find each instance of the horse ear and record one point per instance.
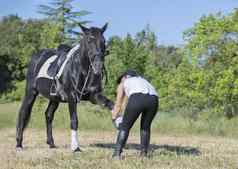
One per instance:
(104, 27)
(83, 28)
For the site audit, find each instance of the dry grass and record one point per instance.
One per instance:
(169, 152)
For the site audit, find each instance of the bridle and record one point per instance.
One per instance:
(91, 68)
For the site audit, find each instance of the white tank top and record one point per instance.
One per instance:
(138, 84)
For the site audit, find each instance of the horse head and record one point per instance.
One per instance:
(95, 48)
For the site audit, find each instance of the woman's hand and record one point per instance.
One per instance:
(117, 122)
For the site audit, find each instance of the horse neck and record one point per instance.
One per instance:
(78, 57)
(78, 66)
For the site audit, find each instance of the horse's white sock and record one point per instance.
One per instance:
(74, 140)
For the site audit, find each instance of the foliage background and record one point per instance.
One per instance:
(198, 80)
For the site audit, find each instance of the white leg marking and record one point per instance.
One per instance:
(74, 140)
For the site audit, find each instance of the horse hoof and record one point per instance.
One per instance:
(77, 150)
(18, 149)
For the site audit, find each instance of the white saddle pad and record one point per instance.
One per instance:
(44, 68)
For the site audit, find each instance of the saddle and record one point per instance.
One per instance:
(55, 70)
(61, 52)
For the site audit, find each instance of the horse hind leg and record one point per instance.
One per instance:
(49, 117)
(24, 115)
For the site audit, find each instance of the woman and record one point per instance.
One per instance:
(142, 99)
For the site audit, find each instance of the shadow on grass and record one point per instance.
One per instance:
(157, 149)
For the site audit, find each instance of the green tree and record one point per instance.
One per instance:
(62, 13)
(129, 52)
(10, 49)
(19, 40)
(212, 43)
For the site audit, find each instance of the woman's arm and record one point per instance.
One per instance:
(119, 101)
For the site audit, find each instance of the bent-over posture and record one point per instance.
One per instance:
(142, 99)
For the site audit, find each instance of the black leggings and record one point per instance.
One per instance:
(139, 103)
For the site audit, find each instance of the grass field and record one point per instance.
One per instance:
(175, 142)
(169, 152)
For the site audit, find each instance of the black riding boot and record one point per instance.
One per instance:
(121, 140)
(145, 141)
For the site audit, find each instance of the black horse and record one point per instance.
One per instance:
(80, 78)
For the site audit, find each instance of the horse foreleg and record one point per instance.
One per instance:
(100, 99)
(24, 116)
(49, 117)
(74, 126)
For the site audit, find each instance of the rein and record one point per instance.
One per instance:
(104, 72)
(91, 67)
(84, 86)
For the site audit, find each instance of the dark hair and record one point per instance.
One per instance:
(129, 72)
